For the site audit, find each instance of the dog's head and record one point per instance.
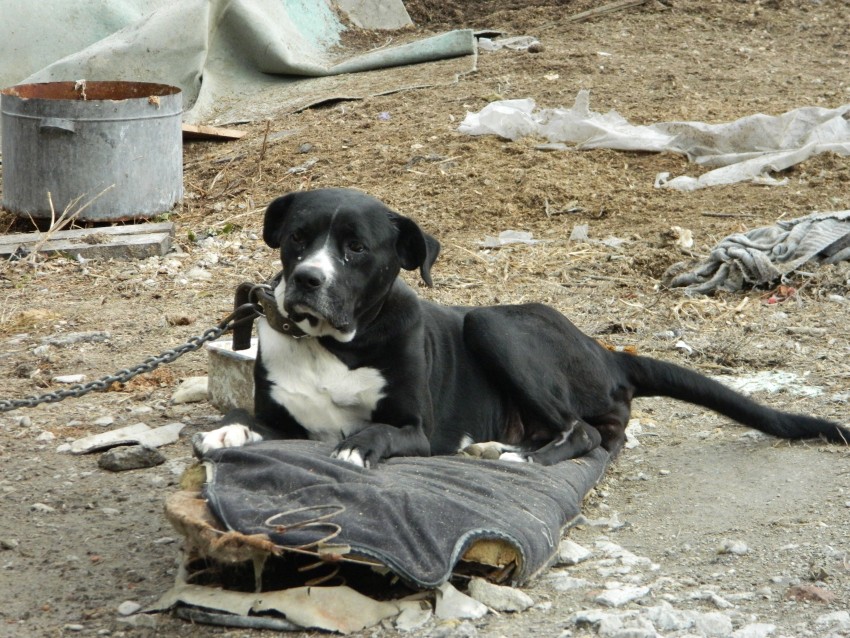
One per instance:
(341, 251)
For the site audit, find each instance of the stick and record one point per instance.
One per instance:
(607, 8)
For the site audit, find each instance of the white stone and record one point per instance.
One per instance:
(192, 390)
(562, 581)
(713, 624)
(754, 630)
(45, 436)
(128, 608)
(453, 604)
(835, 618)
(70, 378)
(413, 616)
(738, 548)
(620, 596)
(104, 421)
(571, 553)
(499, 597)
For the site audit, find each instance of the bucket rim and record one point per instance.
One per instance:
(90, 91)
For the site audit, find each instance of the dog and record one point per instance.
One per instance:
(365, 363)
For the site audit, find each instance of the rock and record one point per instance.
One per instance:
(617, 597)
(837, 619)
(665, 618)
(24, 422)
(626, 626)
(571, 553)
(199, 274)
(132, 457)
(73, 627)
(64, 448)
(738, 548)
(139, 620)
(77, 337)
(8, 543)
(70, 378)
(562, 581)
(45, 436)
(453, 604)
(41, 508)
(128, 608)
(192, 390)
(499, 597)
(713, 624)
(110, 511)
(754, 630)
(414, 615)
(104, 421)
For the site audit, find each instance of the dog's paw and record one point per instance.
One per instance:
(232, 435)
(350, 455)
(495, 451)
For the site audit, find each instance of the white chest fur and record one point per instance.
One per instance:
(319, 391)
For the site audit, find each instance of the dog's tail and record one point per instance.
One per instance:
(651, 377)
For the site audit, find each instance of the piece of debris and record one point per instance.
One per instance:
(617, 597)
(509, 237)
(514, 43)
(452, 604)
(580, 232)
(133, 457)
(571, 553)
(811, 593)
(738, 548)
(303, 168)
(72, 338)
(413, 616)
(213, 133)
(129, 241)
(499, 597)
(70, 378)
(138, 433)
(192, 390)
(122, 436)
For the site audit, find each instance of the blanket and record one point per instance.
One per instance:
(765, 255)
(417, 516)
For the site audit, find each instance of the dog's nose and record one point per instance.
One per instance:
(309, 278)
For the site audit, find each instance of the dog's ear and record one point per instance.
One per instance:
(275, 215)
(416, 248)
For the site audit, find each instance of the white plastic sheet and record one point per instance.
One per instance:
(746, 150)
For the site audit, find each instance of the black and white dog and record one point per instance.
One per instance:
(383, 373)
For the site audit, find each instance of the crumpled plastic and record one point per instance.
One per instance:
(746, 150)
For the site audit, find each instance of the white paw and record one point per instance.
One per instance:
(350, 455)
(514, 457)
(233, 435)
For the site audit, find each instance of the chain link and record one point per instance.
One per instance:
(243, 313)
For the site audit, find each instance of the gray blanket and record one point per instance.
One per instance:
(417, 516)
(765, 255)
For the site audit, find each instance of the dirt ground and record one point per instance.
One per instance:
(98, 539)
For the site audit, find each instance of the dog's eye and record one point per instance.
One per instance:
(355, 246)
(297, 237)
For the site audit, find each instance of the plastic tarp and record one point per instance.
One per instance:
(746, 150)
(221, 53)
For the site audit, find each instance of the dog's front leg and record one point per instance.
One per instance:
(380, 441)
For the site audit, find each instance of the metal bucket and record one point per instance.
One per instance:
(110, 151)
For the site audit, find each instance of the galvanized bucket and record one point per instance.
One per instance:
(107, 151)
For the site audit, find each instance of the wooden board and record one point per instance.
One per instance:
(132, 241)
(200, 132)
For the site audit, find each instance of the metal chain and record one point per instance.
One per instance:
(242, 313)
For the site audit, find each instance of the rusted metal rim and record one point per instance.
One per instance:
(90, 90)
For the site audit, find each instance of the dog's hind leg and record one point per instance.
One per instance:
(553, 374)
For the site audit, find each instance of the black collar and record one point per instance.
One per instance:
(275, 319)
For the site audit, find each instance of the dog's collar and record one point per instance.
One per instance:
(275, 319)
